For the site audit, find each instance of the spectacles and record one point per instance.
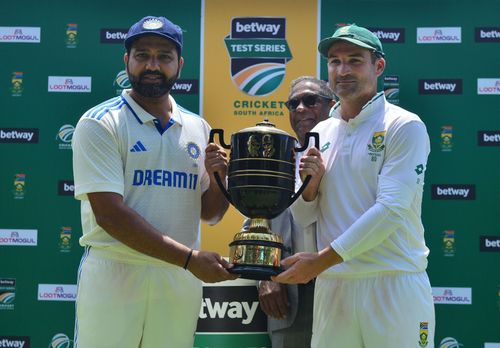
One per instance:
(308, 100)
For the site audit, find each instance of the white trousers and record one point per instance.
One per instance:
(386, 310)
(134, 305)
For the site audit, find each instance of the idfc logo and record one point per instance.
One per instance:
(453, 192)
(15, 341)
(461, 296)
(488, 86)
(19, 237)
(113, 36)
(70, 84)
(20, 34)
(389, 35)
(66, 188)
(488, 138)
(489, 243)
(439, 35)
(487, 34)
(56, 292)
(441, 86)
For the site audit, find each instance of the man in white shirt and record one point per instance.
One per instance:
(372, 290)
(144, 181)
(289, 308)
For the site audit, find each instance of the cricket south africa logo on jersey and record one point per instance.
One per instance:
(259, 52)
(377, 145)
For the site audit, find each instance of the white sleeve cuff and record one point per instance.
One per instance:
(305, 213)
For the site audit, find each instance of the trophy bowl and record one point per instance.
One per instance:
(261, 185)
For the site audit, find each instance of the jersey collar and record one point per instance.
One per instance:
(370, 108)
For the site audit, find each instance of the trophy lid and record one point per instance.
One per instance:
(265, 127)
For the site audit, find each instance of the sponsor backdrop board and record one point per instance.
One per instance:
(442, 64)
(240, 57)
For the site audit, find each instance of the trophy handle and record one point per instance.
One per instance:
(224, 145)
(221, 137)
(308, 178)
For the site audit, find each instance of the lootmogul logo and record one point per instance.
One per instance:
(19, 237)
(452, 295)
(259, 52)
(488, 86)
(439, 35)
(20, 34)
(74, 84)
(56, 292)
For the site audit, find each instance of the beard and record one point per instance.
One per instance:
(152, 90)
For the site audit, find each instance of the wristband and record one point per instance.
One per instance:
(188, 258)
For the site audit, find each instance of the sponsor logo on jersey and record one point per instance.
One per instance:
(19, 135)
(440, 86)
(65, 136)
(60, 340)
(20, 34)
(56, 292)
(488, 86)
(389, 35)
(449, 342)
(18, 237)
(455, 192)
(424, 334)
(7, 293)
(113, 36)
(449, 243)
(70, 84)
(489, 243)
(446, 138)
(71, 35)
(461, 296)
(16, 88)
(439, 35)
(15, 341)
(487, 34)
(258, 51)
(166, 178)
(488, 138)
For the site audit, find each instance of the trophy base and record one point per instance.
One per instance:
(255, 272)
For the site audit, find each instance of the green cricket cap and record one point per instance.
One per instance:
(354, 34)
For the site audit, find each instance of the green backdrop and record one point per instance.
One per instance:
(40, 221)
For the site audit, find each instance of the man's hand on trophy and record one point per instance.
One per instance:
(210, 267)
(311, 164)
(273, 299)
(216, 161)
(303, 267)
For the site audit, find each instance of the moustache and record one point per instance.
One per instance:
(151, 73)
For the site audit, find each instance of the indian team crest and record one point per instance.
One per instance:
(193, 150)
(377, 145)
(259, 52)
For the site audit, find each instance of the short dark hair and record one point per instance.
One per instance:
(324, 89)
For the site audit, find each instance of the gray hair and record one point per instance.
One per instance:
(324, 89)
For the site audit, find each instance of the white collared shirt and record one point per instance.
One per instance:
(119, 147)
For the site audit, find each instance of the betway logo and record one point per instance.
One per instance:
(390, 35)
(444, 86)
(258, 27)
(18, 135)
(487, 34)
(488, 138)
(66, 188)
(113, 35)
(457, 192)
(489, 243)
(185, 87)
(14, 341)
(232, 310)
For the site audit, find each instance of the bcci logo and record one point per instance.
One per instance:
(259, 52)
